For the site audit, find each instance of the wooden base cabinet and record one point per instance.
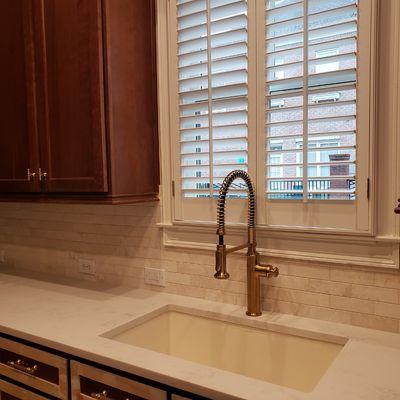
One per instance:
(31, 373)
(38, 369)
(78, 105)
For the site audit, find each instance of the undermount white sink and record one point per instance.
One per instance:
(284, 359)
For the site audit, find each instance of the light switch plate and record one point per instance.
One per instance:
(87, 267)
(154, 276)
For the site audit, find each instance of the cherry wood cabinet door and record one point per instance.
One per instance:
(71, 96)
(18, 133)
(132, 96)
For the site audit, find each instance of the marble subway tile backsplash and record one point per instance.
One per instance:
(123, 240)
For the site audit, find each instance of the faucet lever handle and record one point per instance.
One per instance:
(267, 269)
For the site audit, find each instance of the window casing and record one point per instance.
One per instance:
(200, 154)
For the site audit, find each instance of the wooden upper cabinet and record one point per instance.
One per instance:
(18, 134)
(78, 100)
(71, 96)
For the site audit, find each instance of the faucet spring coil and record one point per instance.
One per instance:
(222, 199)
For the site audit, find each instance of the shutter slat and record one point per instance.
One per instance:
(319, 32)
(327, 104)
(218, 139)
(333, 10)
(284, 21)
(217, 126)
(312, 164)
(282, 66)
(352, 39)
(294, 150)
(183, 117)
(311, 135)
(284, 6)
(336, 57)
(228, 86)
(233, 165)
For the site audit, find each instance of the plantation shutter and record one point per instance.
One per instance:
(212, 84)
(283, 89)
(311, 77)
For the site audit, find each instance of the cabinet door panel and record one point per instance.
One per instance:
(132, 99)
(72, 128)
(18, 134)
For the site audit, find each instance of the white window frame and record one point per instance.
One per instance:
(340, 216)
(363, 248)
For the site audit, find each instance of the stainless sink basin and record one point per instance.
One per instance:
(283, 359)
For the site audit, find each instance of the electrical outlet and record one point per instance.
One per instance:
(87, 267)
(154, 276)
(2, 256)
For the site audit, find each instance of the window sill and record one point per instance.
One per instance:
(343, 248)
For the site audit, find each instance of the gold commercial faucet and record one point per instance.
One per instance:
(255, 269)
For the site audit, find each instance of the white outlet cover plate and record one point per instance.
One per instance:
(154, 276)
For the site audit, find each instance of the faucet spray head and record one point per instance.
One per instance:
(220, 263)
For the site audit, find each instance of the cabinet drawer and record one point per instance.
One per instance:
(93, 383)
(13, 392)
(36, 368)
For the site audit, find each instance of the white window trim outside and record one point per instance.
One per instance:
(328, 245)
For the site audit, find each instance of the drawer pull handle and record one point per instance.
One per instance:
(19, 364)
(42, 175)
(103, 396)
(30, 175)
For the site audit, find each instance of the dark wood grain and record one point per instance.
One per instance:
(131, 97)
(71, 110)
(18, 134)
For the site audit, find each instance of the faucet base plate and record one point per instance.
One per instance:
(252, 314)
(221, 275)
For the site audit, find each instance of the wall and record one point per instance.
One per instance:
(125, 239)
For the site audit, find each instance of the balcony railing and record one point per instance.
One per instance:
(292, 189)
(341, 189)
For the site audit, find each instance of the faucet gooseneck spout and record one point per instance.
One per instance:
(254, 268)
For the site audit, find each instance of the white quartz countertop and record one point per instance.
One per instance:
(70, 318)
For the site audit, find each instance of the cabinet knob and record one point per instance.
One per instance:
(397, 209)
(42, 175)
(30, 175)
